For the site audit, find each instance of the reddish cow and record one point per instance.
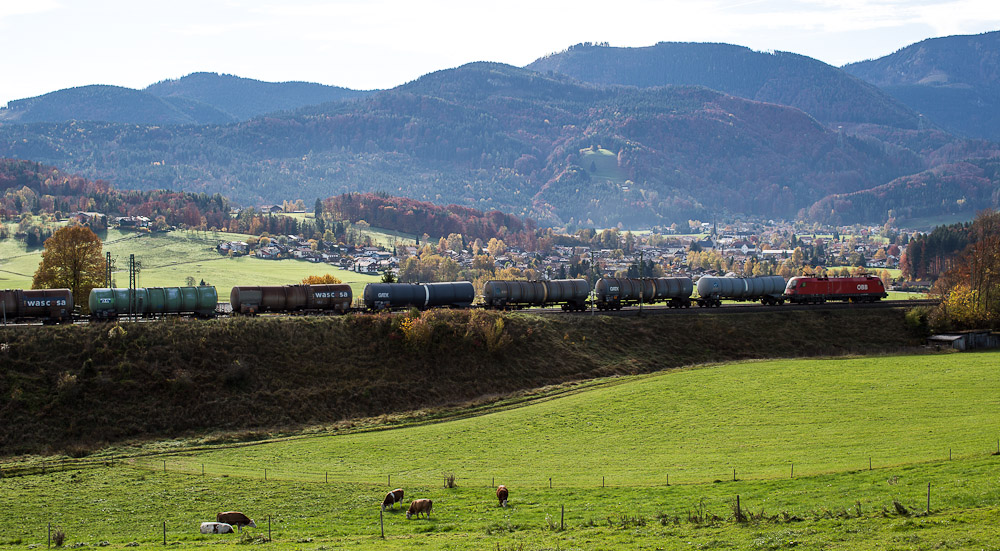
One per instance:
(502, 495)
(418, 506)
(392, 498)
(235, 518)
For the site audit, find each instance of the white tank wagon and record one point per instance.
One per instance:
(766, 289)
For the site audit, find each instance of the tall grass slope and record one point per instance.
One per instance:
(76, 388)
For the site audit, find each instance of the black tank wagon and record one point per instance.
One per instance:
(394, 296)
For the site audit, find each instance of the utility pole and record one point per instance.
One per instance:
(593, 294)
(642, 283)
(107, 271)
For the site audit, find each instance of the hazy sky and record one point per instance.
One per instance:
(47, 45)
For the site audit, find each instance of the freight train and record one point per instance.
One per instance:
(56, 305)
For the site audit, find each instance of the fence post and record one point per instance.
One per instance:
(734, 474)
(869, 462)
(265, 475)
(602, 482)
(550, 482)
(928, 498)
(390, 480)
(49, 545)
(164, 532)
(793, 471)
(268, 527)
(381, 522)
(562, 518)
(327, 477)
(739, 511)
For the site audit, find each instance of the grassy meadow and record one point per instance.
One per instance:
(827, 417)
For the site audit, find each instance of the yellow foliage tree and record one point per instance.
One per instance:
(325, 279)
(72, 260)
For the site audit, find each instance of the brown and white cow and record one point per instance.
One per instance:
(502, 495)
(418, 506)
(216, 528)
(392, 498)
(235, 518)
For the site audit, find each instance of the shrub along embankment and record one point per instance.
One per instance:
(81, 387)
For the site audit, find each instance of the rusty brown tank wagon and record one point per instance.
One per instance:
(45, 305)
(326, 299)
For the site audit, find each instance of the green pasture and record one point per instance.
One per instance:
(380, 236)
(799, 434)
(693, 426)
(605, 163)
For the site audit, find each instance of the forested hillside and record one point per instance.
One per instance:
(495, 137)
(28, 187)
(199, 98)
(109, 104)
(956, 188)
(823, 91)
(245, 98)
(954, 81)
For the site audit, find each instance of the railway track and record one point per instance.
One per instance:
(649, 310)
(739, 308)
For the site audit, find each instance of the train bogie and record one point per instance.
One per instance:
(325, 298)
(108, 303)
(45, 305)
(393, 296)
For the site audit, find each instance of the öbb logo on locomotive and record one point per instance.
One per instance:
(56, 305)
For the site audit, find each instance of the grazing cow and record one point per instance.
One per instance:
(216, 528)
(502, 495)
(418, 506)
(236, 518)
(392, 498)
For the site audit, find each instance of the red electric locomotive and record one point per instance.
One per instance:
(804, 290)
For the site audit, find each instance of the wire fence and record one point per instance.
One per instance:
(610, 479)
(193, 466)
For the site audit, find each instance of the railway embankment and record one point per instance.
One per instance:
(74, 389)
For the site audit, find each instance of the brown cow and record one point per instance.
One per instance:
(392, 498)
(235, 518)
(418, 506)
(502, 495)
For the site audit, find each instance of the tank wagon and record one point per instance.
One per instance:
(326, 299)
(766, 289)
(612, 293)
(805, 290)
(47, 305)
(153, 301)
(571, 294)
(392, 296)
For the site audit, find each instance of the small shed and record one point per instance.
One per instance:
(966, 340)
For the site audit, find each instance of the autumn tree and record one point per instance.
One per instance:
(72, 260)
(325, 279)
